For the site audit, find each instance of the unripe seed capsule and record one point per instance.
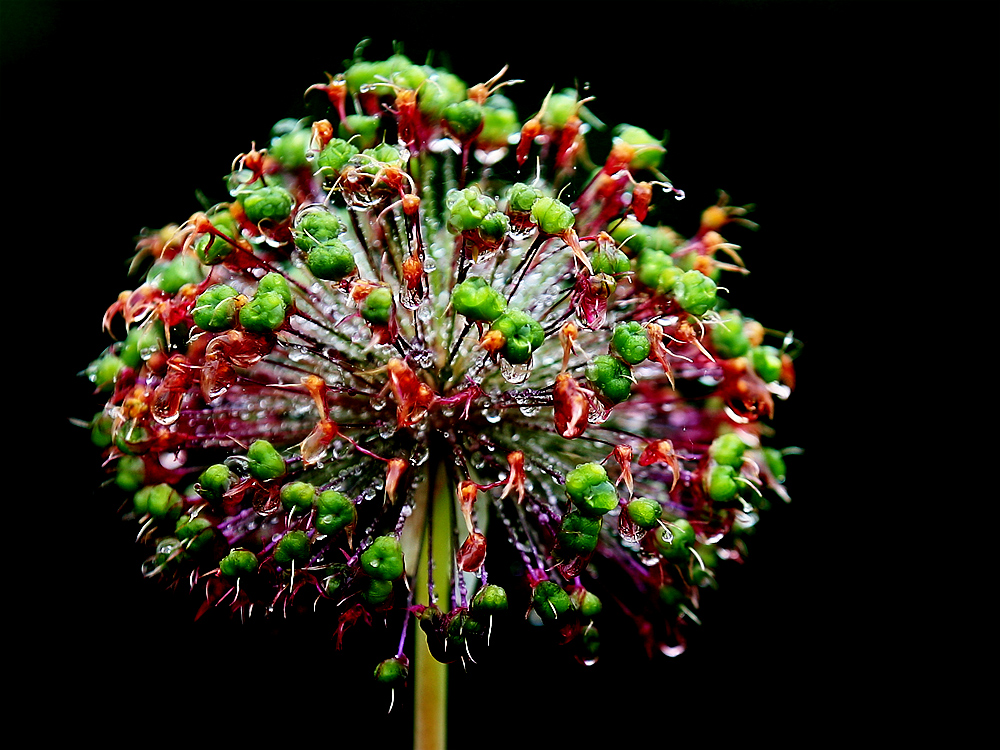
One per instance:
(264, 461)
(383, 560)
(293, 546)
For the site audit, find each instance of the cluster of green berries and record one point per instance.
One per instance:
(424, 298)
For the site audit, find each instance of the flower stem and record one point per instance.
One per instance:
(431, 676)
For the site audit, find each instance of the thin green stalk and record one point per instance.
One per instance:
(430, 717)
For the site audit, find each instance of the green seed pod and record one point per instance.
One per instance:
(582, 478)
(214, 482)
(632, 233)
(552, 216)
(314, 227)
(383, 560)
(631, 342)
(130, 473)
(171, 275)
(499, 121)
(644, 513)
(290, 144)
(335, 580)
(611, 376)
(667, 279)
(361, 74)
(196, 532)
(334, 157)
(661, 239)
(133, 439)
(293, 546)
(360, 129)
(611, 260)
(560, 108)
(775, 463)
(589, 489)
(494, 227)
(392, 672)
(100, 429)
(682, 538)
(237, 563)
(331, 260)
(215, 309)
(466, 209)
(141, 341)
(602, 498)
(211, 249)
(695, 292)
(161, 501)
(578, 534)
(104, 371)
(728, 338)
(334, 513)
(464, 120)
(264, 461)
(522, 335)
(728, 450)
(766, 363)
(399, 70)
(377, 306)
(550, 601)
(441, 89)
(586, 602)
(651, 265)
(477, 300)
(264, 313)
(298, 496)
(721, 484)
(522, 197)
(275, 283)
(271, 203)
(489, 600)
(378, 591)
(648, 151)
(380, 155)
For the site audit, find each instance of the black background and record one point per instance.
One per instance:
(864, 132)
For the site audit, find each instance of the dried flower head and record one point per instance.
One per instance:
(423, 328)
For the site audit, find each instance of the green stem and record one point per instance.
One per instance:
(431, 676)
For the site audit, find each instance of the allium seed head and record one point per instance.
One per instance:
(424, 328)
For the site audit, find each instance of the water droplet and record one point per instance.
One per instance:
(530, 411)
(424, 358)
(648, 559)
(514, 374)
(387, 429)
(599, 413)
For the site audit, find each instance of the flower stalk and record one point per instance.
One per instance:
(433, 582)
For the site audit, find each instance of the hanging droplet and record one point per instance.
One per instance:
(514, 374)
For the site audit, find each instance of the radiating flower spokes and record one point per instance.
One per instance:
(380, 358)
